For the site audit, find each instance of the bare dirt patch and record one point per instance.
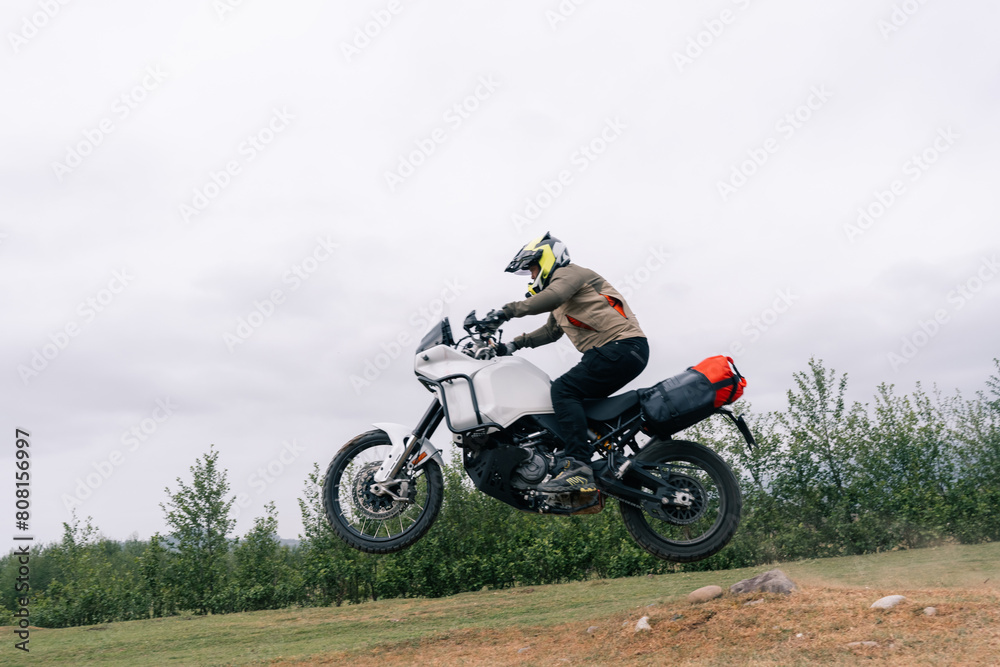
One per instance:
(830, 626)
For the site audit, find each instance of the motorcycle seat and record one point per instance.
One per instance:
(603, 409)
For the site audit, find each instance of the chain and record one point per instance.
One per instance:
(627, 502)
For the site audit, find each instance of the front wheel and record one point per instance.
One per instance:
(372, 522)
(704, 520)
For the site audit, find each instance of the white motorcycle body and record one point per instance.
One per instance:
(504, 389)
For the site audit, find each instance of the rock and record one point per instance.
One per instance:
(643, 624)
(523, 650)
(592, 629)
(772, 581)
(888, 602)
(753, 602)
(705, 593)
(863, 644)
(930, 611)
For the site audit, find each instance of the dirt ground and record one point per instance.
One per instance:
(829, 626)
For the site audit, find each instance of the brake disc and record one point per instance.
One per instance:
(374, 506)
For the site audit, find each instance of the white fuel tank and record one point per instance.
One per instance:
(506, 388)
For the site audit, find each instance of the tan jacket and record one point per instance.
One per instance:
(581, 304)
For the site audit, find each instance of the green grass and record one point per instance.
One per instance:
(261, 637)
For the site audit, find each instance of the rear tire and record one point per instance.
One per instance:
(360, 517)
(686, 534)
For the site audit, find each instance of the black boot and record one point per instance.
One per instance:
(570, 475)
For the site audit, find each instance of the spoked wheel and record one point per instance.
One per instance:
(707, 503)
(379, 520)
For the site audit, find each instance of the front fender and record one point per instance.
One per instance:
(401, 437)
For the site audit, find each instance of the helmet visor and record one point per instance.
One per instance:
(522, 261)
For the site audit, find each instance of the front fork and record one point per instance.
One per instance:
(412, 446)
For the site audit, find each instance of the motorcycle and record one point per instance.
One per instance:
(679, 500)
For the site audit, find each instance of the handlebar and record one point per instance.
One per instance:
(483, 336)
(481, 327)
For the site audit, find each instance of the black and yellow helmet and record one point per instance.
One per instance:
(548, 252)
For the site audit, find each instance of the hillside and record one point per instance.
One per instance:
(548, 624)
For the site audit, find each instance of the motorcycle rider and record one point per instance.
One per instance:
(598, 322)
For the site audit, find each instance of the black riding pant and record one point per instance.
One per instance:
(602, 371)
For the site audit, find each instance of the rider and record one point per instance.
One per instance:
(585, 307)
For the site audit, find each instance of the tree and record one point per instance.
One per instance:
(820, 467)
(198, 516)
(152, 566)
(93, 580)
(262, 575)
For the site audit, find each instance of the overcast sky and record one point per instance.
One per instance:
(215, 216)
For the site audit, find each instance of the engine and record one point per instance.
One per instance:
(532, 471)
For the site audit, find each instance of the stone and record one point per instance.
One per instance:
(772, 581)
(705, 593)
(592, 629)
(523, 650)
(930, 611)
(888, 602)
(643, 624)
(753, 602)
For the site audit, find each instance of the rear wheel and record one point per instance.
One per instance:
(707, 509)
(379, 522)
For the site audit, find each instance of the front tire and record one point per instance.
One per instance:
(707, 523)
(372, 523)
